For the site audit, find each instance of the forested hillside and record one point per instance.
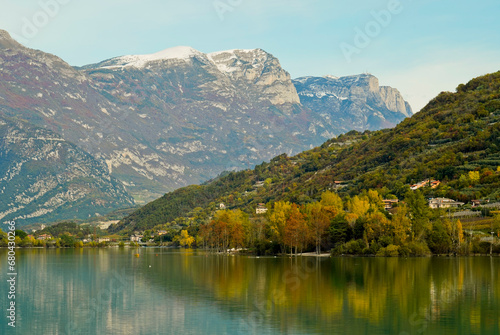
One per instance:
(455, 139)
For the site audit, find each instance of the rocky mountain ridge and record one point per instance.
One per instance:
(177, 117)
(353, 102)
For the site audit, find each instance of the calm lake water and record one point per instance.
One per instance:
(163, 291)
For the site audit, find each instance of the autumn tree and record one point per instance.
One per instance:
(185, 240)
(237, 221)
(474, 177)
(376, 226)
(295, 232)
(401, 224)
(332, 204)
(277, 221)
(319, 222)
(496, 225)
(375, 200)
(357, 207)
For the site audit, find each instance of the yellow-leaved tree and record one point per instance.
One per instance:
(185, 240)
(295, 233)
(401, 224)
(357, 207)
(277, 221)
(332, 203)
(319, 221)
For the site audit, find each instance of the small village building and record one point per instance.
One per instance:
(259, 184)
(477, 203)
(261, 209)
(136, 238)
(435, 183)
(424, 183)
(389, 203)
(444, 203)
(222, 206)
(338, 184)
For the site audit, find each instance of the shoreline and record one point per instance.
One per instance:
(305, 254)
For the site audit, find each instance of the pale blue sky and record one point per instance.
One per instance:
(425, 47)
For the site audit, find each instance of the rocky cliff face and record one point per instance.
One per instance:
(353, 102)
(179, 116)
(247, 68)
(205, 112)
(44, 178)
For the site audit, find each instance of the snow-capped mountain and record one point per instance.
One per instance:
(180, 116)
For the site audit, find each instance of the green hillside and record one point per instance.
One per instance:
(455, 139)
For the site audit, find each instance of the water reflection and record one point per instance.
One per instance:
(162, 291)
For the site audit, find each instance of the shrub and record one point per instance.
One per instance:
(414, 249)
(390, 251)
(354, 247)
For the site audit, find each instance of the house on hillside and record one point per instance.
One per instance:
(424, 183)
(259, 184)
(435, 183)
(444, 203)
(44, 237)
(337, 184)
(222, 206)
(389, 203)
(477, 203)
(136, 238)
(261, 209)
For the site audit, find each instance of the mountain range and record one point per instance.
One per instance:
(162, 121)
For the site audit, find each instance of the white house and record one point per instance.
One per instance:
(136, 238)
(444, 203)
(261, 209)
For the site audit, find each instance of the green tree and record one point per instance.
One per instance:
(21, 233)
(419, 213)
(340, 231)
(67, 241)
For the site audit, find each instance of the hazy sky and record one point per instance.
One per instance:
(421, 47)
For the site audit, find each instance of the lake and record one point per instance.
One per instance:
(168, 291)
